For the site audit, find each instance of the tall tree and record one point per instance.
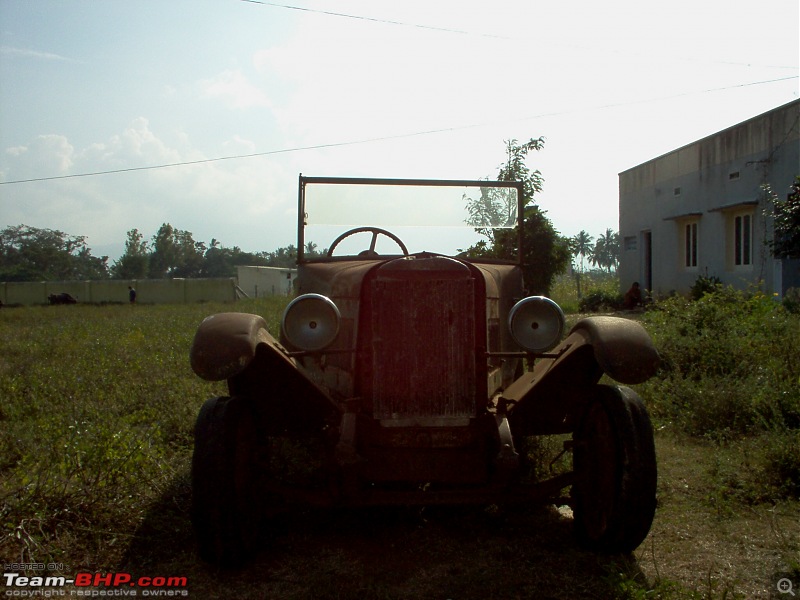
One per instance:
(580, 245)
(33, 254)
(164, 253)
(190, 256)
(545, 252)
(786, 222)
(605, 253)
(134, 262)
(175, 254)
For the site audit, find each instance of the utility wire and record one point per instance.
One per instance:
(374, 19)
(389, 137)
(478, 33)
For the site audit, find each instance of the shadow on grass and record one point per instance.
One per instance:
(437, 553)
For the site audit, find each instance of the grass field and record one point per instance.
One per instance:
(97, 406)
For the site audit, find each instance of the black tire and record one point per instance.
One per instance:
(226, 513)
(614, 499)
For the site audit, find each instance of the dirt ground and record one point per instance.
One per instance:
(700, 546)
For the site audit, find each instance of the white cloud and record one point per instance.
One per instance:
(238, 146)
(239, 202)
(44, 156)
(233, 88)
(329, 80)
(25, 53)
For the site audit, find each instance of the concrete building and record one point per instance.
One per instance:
(258, 282)
(702, 210)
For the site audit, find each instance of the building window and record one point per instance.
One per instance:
(742, 240)
(690, 244)
(630, 242)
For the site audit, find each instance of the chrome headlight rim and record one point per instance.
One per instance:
(521, 320)
(316, 328)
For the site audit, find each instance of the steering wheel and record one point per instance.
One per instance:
(375, 231)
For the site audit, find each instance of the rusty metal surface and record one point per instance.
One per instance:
(622, 348)
(423, 340)
(225, 344)
(550, 398)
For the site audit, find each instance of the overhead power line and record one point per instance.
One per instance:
(483, 34)
(374, 19)
(389, 137)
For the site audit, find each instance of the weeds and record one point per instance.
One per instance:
(791, 300)
(731, 370)
(98, 409)
(564, 290)
(600, 300)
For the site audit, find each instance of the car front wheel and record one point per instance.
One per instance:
(614, 498)
(226, 514)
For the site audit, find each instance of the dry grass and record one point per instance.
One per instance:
(106, 380)
(699, 547)
(707, 541)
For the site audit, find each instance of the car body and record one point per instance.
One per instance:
(415, 378)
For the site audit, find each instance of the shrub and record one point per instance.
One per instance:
(704, 284)
(791, 300)
(599, 300)
(730, 368)
(783, 462)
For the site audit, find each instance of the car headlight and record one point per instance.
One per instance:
(311, 322)
(536, 323)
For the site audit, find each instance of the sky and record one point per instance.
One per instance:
(122, 115)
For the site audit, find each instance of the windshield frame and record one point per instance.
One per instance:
(476, 183)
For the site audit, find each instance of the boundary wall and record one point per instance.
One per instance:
(148, 291)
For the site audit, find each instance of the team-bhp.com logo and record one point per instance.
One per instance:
(93, 585)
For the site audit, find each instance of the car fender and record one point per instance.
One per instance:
(622, 348)
(550, 398)
(225, 344)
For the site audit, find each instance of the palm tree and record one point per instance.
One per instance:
(581, 245)
(606, 251)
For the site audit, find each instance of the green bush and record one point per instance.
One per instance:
(730, 368)
(704, 284)
(791, 300)
(600, 300)
(783, 462)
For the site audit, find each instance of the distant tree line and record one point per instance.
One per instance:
(602, 253)
(33, 254)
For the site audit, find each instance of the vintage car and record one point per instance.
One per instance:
(418, 377)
